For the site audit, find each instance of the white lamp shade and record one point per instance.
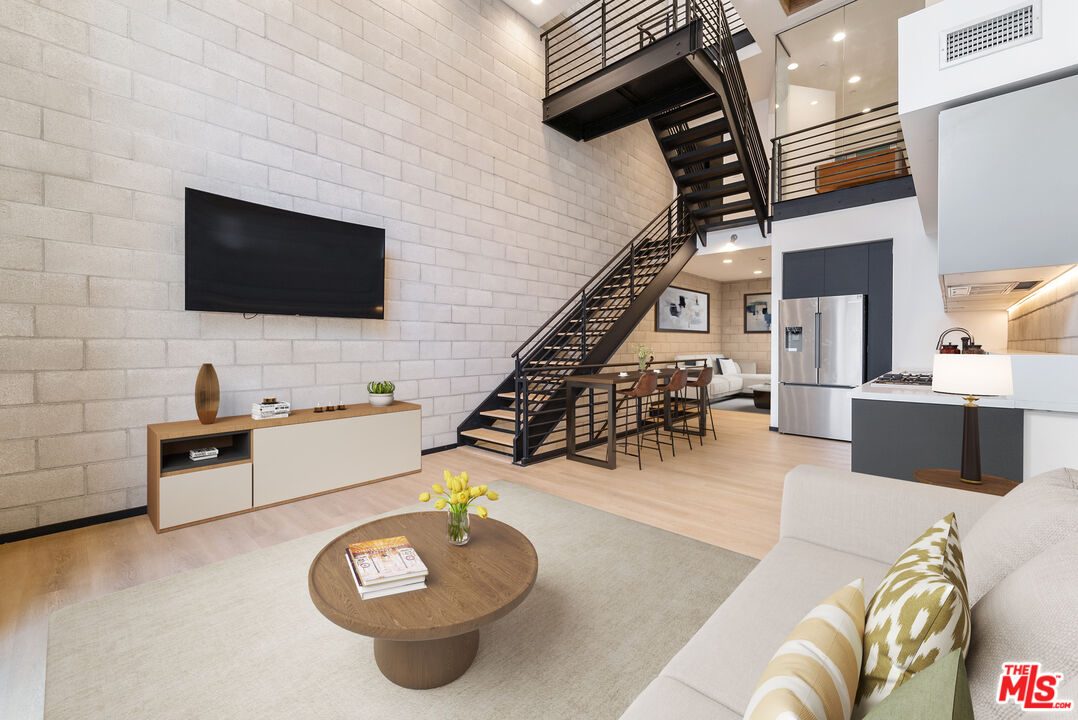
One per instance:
(977, 375)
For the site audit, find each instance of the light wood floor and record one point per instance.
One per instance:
(726, 493)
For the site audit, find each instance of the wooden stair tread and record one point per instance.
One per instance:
(536, 397)
(492, 436)
(499, 414)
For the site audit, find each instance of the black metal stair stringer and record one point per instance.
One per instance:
(625, 324)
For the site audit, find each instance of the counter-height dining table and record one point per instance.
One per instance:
(607, 384)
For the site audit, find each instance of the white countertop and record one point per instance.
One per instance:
(1041, 382)
(921, 394)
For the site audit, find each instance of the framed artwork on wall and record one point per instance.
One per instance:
(758, 312)
(683, 310)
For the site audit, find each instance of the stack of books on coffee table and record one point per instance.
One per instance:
(386, 567)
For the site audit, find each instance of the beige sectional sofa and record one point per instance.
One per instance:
(728, 385)
(837, 526)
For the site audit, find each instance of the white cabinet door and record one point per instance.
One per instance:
(293, 461)
(192, 496)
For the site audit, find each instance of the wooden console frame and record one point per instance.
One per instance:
(244, 430)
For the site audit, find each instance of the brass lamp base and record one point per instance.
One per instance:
(971, 482)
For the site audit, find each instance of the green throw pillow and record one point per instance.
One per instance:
(919, 614)
(939, 692)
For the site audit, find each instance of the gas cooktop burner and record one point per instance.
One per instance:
(905, 378)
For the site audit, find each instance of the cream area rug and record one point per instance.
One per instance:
(613, 601)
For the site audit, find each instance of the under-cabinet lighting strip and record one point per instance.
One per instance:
(1058, 280)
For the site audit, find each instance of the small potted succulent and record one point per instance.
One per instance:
(381, 392)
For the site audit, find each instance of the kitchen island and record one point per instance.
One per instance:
(900, 429)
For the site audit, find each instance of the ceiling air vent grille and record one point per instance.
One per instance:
(1018, 25)
(980, 289)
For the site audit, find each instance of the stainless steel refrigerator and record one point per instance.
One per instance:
(821, 357)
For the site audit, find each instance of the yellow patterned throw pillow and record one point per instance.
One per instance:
(919, 613)
(813, 676)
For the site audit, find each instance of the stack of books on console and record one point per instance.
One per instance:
(386, 567)
(270, 408)
(202, 453)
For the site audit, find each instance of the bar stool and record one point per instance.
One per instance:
(701, 384)
(678, 382)
(641, 392)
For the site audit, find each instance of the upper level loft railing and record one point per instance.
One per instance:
(605, 31)
(858, 149)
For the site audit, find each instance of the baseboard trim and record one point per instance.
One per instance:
(772, 428)
(440, 448)
(71, 524)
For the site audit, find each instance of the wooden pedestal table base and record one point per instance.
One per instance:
(423, 664)
(427, 638)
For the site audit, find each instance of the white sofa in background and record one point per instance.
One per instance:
(838, 526)
(724, 385)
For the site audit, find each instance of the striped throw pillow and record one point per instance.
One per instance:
(814, 674)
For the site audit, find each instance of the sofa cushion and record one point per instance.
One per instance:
(729, 652)
(1028, 617)
(814, 672)
(750, 379)
(724, 385)
(919, 613)
(729, 367)
(1038, 513)
(939, 692)
(668, 699)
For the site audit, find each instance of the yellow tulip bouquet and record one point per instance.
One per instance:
(458, 495)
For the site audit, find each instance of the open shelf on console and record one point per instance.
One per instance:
(232, 447)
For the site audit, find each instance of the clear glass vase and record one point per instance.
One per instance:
(458, 529)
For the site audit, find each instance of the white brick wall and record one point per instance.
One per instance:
(419, 116)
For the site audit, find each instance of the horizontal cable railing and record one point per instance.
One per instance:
(858, 149)
(592, 418)
(719, 45)
(733, 17)
(603, 32)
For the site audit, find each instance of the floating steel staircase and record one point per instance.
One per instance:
(524, 416)
(610, 64)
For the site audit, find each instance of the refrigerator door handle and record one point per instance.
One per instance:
(818, 347)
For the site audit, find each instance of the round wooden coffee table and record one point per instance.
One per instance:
(427, 638)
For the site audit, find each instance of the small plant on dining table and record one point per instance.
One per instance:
(458, 496)
(644, 355)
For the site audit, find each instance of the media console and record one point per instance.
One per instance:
(269, 462)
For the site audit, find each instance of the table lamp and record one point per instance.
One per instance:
(973, 377)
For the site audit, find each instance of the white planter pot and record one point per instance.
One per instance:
(381, 399)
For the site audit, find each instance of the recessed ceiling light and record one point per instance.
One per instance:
(855, 78)
(865, 110)
(537, 2)
(792, 66)
(814, 102)
(727, 261)
(839, 36)
(757, 272)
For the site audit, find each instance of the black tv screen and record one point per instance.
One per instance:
(249, 258)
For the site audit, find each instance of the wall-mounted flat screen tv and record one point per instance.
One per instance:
(248, 258)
